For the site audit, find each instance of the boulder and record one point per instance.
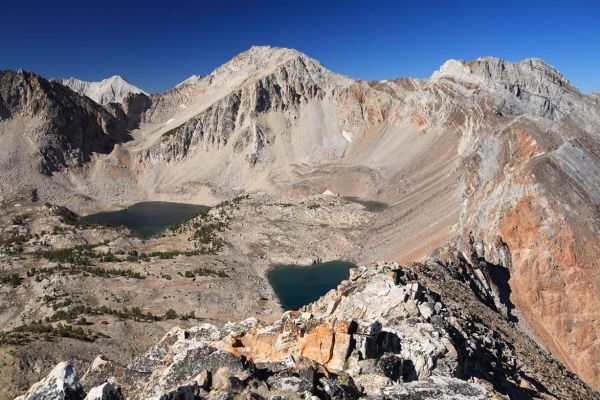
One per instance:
(291, 384)
(109, 390)
(61, 384)
(339, 390)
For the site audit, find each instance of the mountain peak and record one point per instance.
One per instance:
(493, 69)
(113, 89)
(530, 85)
(258, 60)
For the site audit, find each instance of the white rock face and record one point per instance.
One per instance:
(61, 383)
(107, 391)
(110, 90)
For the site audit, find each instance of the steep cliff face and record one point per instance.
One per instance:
(382, 334)
(265, 82)
(59, 128)
(281, 91)
(531, 200)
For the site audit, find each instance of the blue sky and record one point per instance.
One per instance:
(155, 45)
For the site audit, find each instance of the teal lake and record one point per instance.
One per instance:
(297, 285)
(148, 218)
(370, 205)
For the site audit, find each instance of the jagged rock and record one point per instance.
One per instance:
(100, 371)
(109, 390)
(441, 388)
(61, 384)
(338, 354)
(336, 389)
(530, 84)
(189, 368)
(285, 382)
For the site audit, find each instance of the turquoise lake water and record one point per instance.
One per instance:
(148, 218)
(297, 285)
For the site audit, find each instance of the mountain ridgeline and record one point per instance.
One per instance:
(501, 159)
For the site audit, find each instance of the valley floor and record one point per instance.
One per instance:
(71, 290)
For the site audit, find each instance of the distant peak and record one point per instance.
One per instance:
(113, 89)
(259, 60)
(114, 78)
(499, 70)
(258, 54)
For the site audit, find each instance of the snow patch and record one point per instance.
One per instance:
(182, 106)
(348, 136)
(383, 81)
(328, 193)
(169, 121)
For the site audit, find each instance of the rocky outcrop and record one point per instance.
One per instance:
(61, 383)
(107, 391)
(523, 184)
(193, 79)
(382, 334)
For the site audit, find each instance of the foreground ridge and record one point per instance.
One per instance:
(382, 334)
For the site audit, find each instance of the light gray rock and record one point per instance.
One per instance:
(109, 390)
(61, 384)
(110, 90)
(437, 388)
(292, 384)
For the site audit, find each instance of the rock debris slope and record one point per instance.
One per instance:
(503, 157)
(382, 334)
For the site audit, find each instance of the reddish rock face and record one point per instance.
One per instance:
(543, 210)
(555, 284)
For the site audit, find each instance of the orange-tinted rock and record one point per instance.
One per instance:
(340, 351)
(318, 345)
(555, 285)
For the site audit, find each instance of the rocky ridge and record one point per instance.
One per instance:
(65, 129)
(190, 81)
(382, 334)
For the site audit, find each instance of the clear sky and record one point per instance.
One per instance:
(155, 45)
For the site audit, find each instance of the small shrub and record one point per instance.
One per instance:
(19, 219)
(13, 280)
